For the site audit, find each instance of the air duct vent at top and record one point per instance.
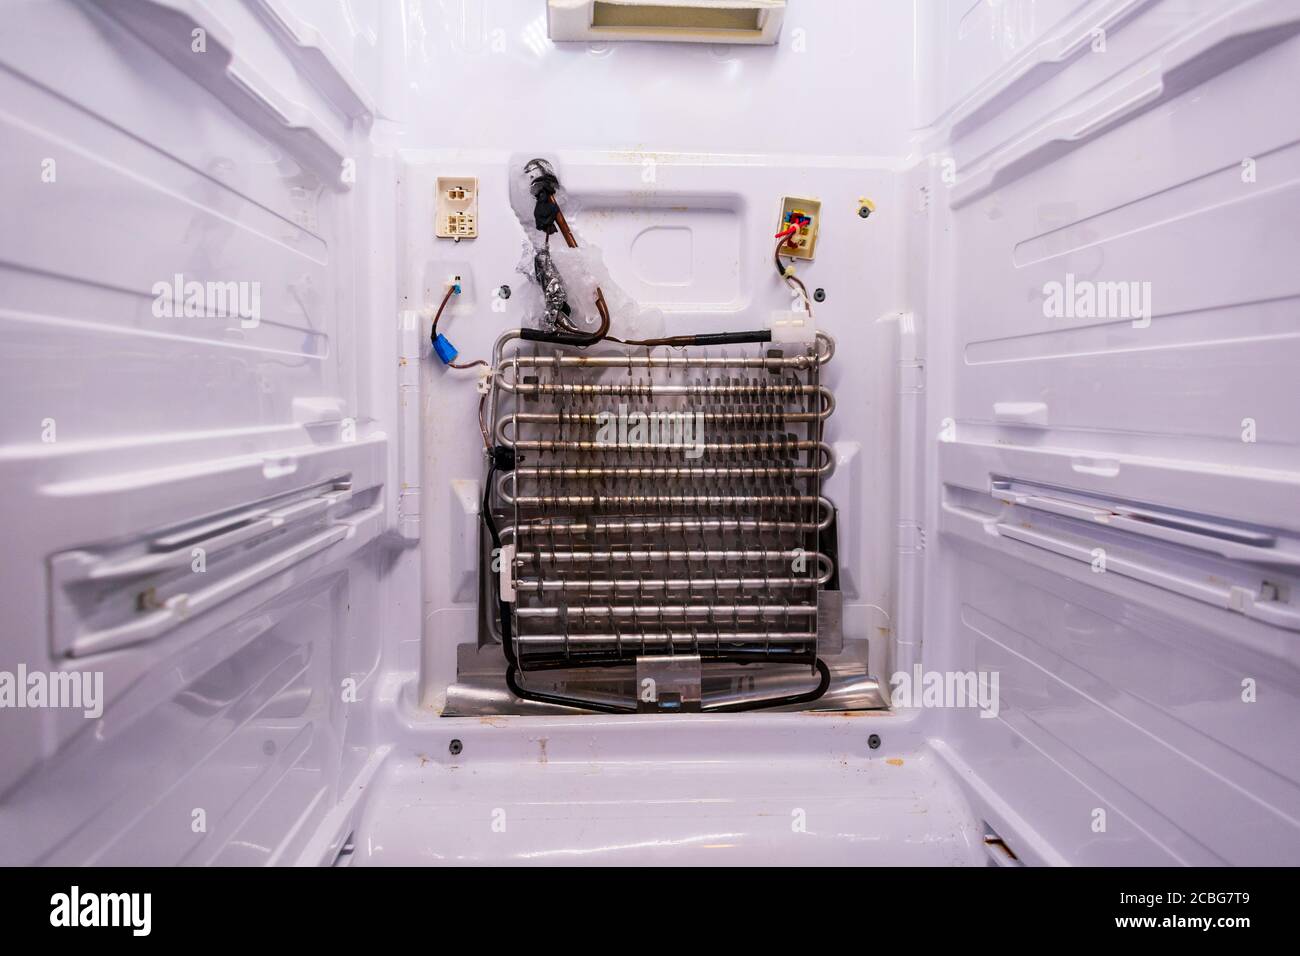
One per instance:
(691, 21)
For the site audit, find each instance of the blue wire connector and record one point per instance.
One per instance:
(444, 349)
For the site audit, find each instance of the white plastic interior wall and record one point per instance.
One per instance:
(1145, 715)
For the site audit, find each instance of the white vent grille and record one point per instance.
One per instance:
(689, 21)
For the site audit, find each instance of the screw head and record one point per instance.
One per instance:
(455, 747)
(504, 292)
(864, 212)
(874, 741)
(819, 295)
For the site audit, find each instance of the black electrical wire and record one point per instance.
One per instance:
(578, 660)
(503, 608)
(763, 703)
(507, 633)
(512, 681)
(703, 338)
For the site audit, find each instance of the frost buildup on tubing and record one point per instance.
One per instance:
(575, 287)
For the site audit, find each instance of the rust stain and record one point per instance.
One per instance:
(895, 761)
(493, 721)
(425, 760)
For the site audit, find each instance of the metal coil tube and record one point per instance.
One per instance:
(641, 585)
(664, 526)
(524, 558)
(663, 638)
(659, 612)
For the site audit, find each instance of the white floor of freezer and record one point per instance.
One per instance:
(793, 789)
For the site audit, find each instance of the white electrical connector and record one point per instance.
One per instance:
(790, 327)
(456, 208)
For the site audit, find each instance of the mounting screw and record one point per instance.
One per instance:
(455, 747)
(819, 295)
(874, 741)
(504, 292)
(864, 212)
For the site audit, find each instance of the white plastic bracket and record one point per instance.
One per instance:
(793, 327)
(508, 573)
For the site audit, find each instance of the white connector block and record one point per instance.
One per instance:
(456, 213)
(793, 327)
